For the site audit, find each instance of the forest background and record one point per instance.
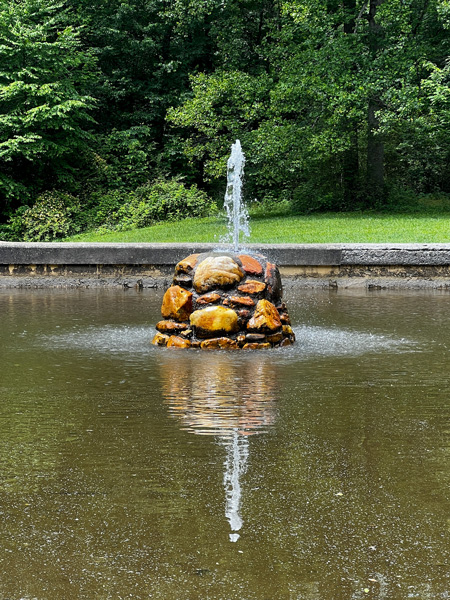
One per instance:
(117, 114)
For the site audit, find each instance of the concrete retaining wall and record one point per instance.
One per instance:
(151, 265)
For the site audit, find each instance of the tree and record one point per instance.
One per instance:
(45, 104)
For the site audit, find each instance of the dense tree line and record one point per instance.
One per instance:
(338, 104)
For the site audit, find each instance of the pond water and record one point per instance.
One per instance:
(320, 471)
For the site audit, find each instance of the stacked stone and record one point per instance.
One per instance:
(224, 301)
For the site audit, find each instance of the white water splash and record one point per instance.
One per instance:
(235, 466)
(238, 218)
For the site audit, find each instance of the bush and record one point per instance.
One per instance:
(50, 218)
(162, 200)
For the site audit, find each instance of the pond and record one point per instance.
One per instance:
(319, 471)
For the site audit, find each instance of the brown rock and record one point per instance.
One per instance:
(244, 314)
(183, 280)
(240, 339)
(275, 338)
(285, 319)
(187, 264)
(187, 333)
(288, 333)
(256, 337)
(177, 303)
(250, 264)
(256, 346)
(217, 271)
(287, 330)
(251, 286)
(171, 326)
(220, 343)
(214, 321)
(242, 300)
(265, 318)
(176, 341)
(160, 339)
(285, 342)
(208, 298)
(273, 280)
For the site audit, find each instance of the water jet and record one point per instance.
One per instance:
(226, 300)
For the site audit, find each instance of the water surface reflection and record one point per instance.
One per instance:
(225, 395)
(124, 468)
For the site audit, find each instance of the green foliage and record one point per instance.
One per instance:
(44, 103)
(161, 200)
(50, 218)
(98, 98)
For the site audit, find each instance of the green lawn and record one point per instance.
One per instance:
(309, 229)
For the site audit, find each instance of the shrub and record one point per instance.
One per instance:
(50, 218)
(162, 200)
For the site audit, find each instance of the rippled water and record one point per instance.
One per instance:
(320, 471)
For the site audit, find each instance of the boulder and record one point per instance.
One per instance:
(208, 298)
(273, 280)
(252, 286)
(250, 264)
(214, 321)
(217, 271)
(187, 264)
(220, 343)
(177, 303)
(160, 339)
(265, 319)
(242, 301)
(176, 341)
(171, 326)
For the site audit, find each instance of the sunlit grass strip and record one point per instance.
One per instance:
(309, 229)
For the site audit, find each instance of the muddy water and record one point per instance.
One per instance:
(315, 472)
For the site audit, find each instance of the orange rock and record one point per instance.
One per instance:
(171, 326)
(273, 280)
(217, 271)
(160, 339)
(242, 300)
(176, 341)
(221, 343)
(177, 303)
(250, 264)
(251, 286)
(214, 321)
(265, 318)
(187, 264)
(256, 346)
(208, 298)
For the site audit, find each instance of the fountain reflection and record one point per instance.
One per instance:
(228, 398)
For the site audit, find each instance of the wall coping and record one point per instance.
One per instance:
(285, 255)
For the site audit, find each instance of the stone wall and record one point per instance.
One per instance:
(151, 265)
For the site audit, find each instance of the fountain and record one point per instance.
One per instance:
(226, 300)
(238, 218)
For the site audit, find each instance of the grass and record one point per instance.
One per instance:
(288, 229)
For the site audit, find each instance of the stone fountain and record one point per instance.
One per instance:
(226, 300)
